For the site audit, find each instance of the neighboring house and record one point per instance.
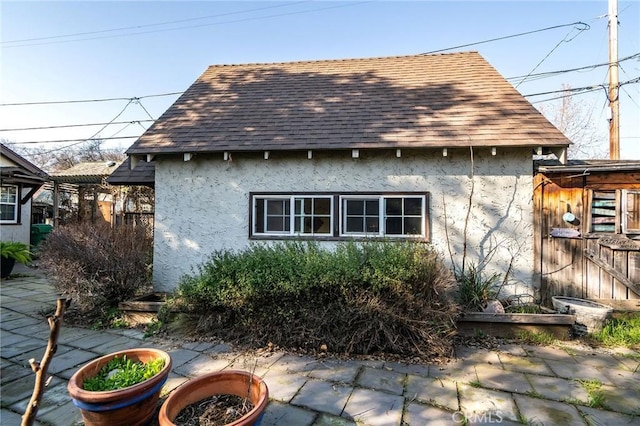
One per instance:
(587, 230)
(20, 181)
(86, 183)
(331, 150)
(134, 200)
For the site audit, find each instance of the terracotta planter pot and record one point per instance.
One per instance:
(133, 405)
(232, 382)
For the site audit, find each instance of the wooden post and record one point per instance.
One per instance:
(40, 368)
(614, 122)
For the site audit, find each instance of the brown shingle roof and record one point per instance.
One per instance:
(86, 172)
(142, 174)
(443, 100)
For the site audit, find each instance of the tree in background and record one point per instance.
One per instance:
(56, 159)
(575, 119)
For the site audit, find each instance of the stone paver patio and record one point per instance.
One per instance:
(516, 384)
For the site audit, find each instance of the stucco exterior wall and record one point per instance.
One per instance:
(202, 205)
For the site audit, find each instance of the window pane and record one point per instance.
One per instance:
(298, 207)
(8, 194)
(275, 224)
(259, 219)
(373, 225)
(355, 224)
(308, 205)
(394, 226)
(373, 207)
(393, 206)
(275, 207)
(7, 212)
(413, 206)
(322, 206)
(633, 210)
(412, 226)
(322, 225)
(355, 207)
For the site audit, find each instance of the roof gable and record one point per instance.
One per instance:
(444, 100)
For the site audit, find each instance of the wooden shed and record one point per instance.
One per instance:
(587, 231)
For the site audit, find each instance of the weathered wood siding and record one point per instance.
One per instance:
(571, 260)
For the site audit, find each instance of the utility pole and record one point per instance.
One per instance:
(614, 105)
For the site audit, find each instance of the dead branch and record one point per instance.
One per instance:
(41, 367)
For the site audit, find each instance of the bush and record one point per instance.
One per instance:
(98, 266)
(356, 299)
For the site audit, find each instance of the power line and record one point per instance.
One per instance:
(564, 71)
(564, 40)
(585, 27)
(195, 26)
(71, 140)
(91, 100)
(17, 129)
(151, 25)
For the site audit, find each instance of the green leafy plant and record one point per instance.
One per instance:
(475, 287)
(15, 250)
(363, 298)
(620, 331)
(594, 390)
(122, 372)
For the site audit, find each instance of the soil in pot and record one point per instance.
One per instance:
(217, 410)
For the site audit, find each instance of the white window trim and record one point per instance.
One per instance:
(381, 216)
(623, 212)
(292, 216)
(15, 205)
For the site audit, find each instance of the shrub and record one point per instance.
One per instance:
(98, 266)
(476, 288)
(358, 298)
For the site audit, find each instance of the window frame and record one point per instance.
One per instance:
(16, 206)
(383, 216)
(624, 211)
(291, 198)
(336, 216)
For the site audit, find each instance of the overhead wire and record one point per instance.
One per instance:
(64, 126)
(177, 21)
(587, 26)
(194, 26)
(77, 101)
(564, 40)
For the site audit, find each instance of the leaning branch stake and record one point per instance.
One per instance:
(41, 367)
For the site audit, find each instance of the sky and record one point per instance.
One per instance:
(141, 54)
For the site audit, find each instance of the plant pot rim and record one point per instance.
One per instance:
(191, 391)
(92, 368)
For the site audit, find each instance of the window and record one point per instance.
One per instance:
(612, 210)
(9, 204)
(311, 215)
(383, 215)
(603, 211)
(339, 215)
(631, 212)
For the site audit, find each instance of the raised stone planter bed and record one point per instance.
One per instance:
(475, 324)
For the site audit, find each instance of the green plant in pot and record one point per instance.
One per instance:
(12, 252)
(122, 388)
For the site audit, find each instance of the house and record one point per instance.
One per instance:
(587, 230)
(134, 201)
(434, 148)
(20, 181)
